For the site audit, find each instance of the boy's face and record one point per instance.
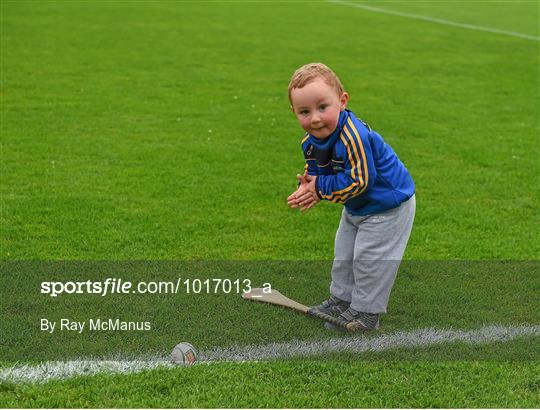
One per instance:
(317, 107)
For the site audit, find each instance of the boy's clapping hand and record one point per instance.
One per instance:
(305, 197)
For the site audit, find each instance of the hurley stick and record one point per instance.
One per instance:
(276, 298)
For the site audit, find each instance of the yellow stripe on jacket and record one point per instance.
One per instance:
(359, 170)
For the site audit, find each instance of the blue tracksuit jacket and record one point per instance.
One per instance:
(355, 167)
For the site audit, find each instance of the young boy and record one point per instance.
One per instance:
(348, 163)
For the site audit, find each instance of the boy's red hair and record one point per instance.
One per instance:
(309, 72)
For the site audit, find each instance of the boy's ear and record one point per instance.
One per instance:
(343, 101)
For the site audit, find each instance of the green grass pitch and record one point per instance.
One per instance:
(161, 131)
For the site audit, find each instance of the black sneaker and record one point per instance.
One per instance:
(333, 306)
(358, 321)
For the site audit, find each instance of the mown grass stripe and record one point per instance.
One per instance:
(47, 371)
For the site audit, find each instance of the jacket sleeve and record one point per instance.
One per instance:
(358, 167)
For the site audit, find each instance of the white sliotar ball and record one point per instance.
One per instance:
(184, 353)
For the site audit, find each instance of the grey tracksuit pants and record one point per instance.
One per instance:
(368, 251)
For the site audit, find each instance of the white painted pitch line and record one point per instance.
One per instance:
(435, 20)
(48, 371)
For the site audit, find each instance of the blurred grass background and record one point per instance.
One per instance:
(161, 130)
